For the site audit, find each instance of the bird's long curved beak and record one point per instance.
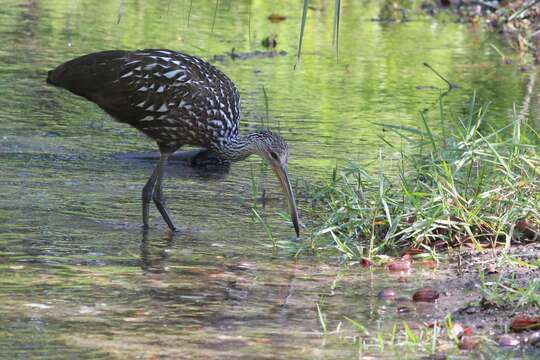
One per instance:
(283, 176)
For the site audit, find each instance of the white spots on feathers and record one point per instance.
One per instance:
(149, 67)
(163, 108)
(216, 123)
(171, 74)
(186, 100)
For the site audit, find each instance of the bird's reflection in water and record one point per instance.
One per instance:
(235, 281)
(154, 257)
(200, 163)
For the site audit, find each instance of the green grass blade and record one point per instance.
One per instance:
(265, 226)
(321, 319)
(302, 27)
(335, 35)
(189, 11)
(215, 15)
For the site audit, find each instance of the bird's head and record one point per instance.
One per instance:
(273, 148)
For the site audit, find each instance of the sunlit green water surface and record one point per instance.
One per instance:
(78, 278)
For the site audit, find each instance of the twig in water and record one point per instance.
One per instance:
(450, 85)
(215, 14)
(335, 37)
(189, 11)
(302, 26)
(249, 21)
(498, 52)
(522, 10)
(266, 107)
(265, 226)
(522, 115)
(120, 12)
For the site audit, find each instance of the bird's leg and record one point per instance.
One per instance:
(152, 190)
(159, 200)
(147, 191)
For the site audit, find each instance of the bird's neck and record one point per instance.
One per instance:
(240, 147)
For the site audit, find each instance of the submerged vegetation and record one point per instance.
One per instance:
(456, 185)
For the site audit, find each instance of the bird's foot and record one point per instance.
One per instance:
(175, 230)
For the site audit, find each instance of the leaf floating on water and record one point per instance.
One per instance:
(426, 295)
(275, 18)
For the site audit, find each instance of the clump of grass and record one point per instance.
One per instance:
(470, 185)
(400, 338)
(509, 291)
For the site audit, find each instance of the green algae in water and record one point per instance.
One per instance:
(78, 277)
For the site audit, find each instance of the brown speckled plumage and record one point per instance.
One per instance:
(176, 99)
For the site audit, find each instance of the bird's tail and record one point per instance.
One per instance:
(87, 74)
(51, 78)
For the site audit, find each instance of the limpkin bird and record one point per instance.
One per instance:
(175, 99)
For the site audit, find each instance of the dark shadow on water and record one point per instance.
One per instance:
(183, 164)
(154, 257)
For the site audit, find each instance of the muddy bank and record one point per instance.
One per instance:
(517, 21)
(495, 296)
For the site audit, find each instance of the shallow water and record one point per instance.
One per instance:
(77, 275)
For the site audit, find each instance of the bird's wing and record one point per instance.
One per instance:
(149, 83)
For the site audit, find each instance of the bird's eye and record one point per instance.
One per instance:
(273, 155)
